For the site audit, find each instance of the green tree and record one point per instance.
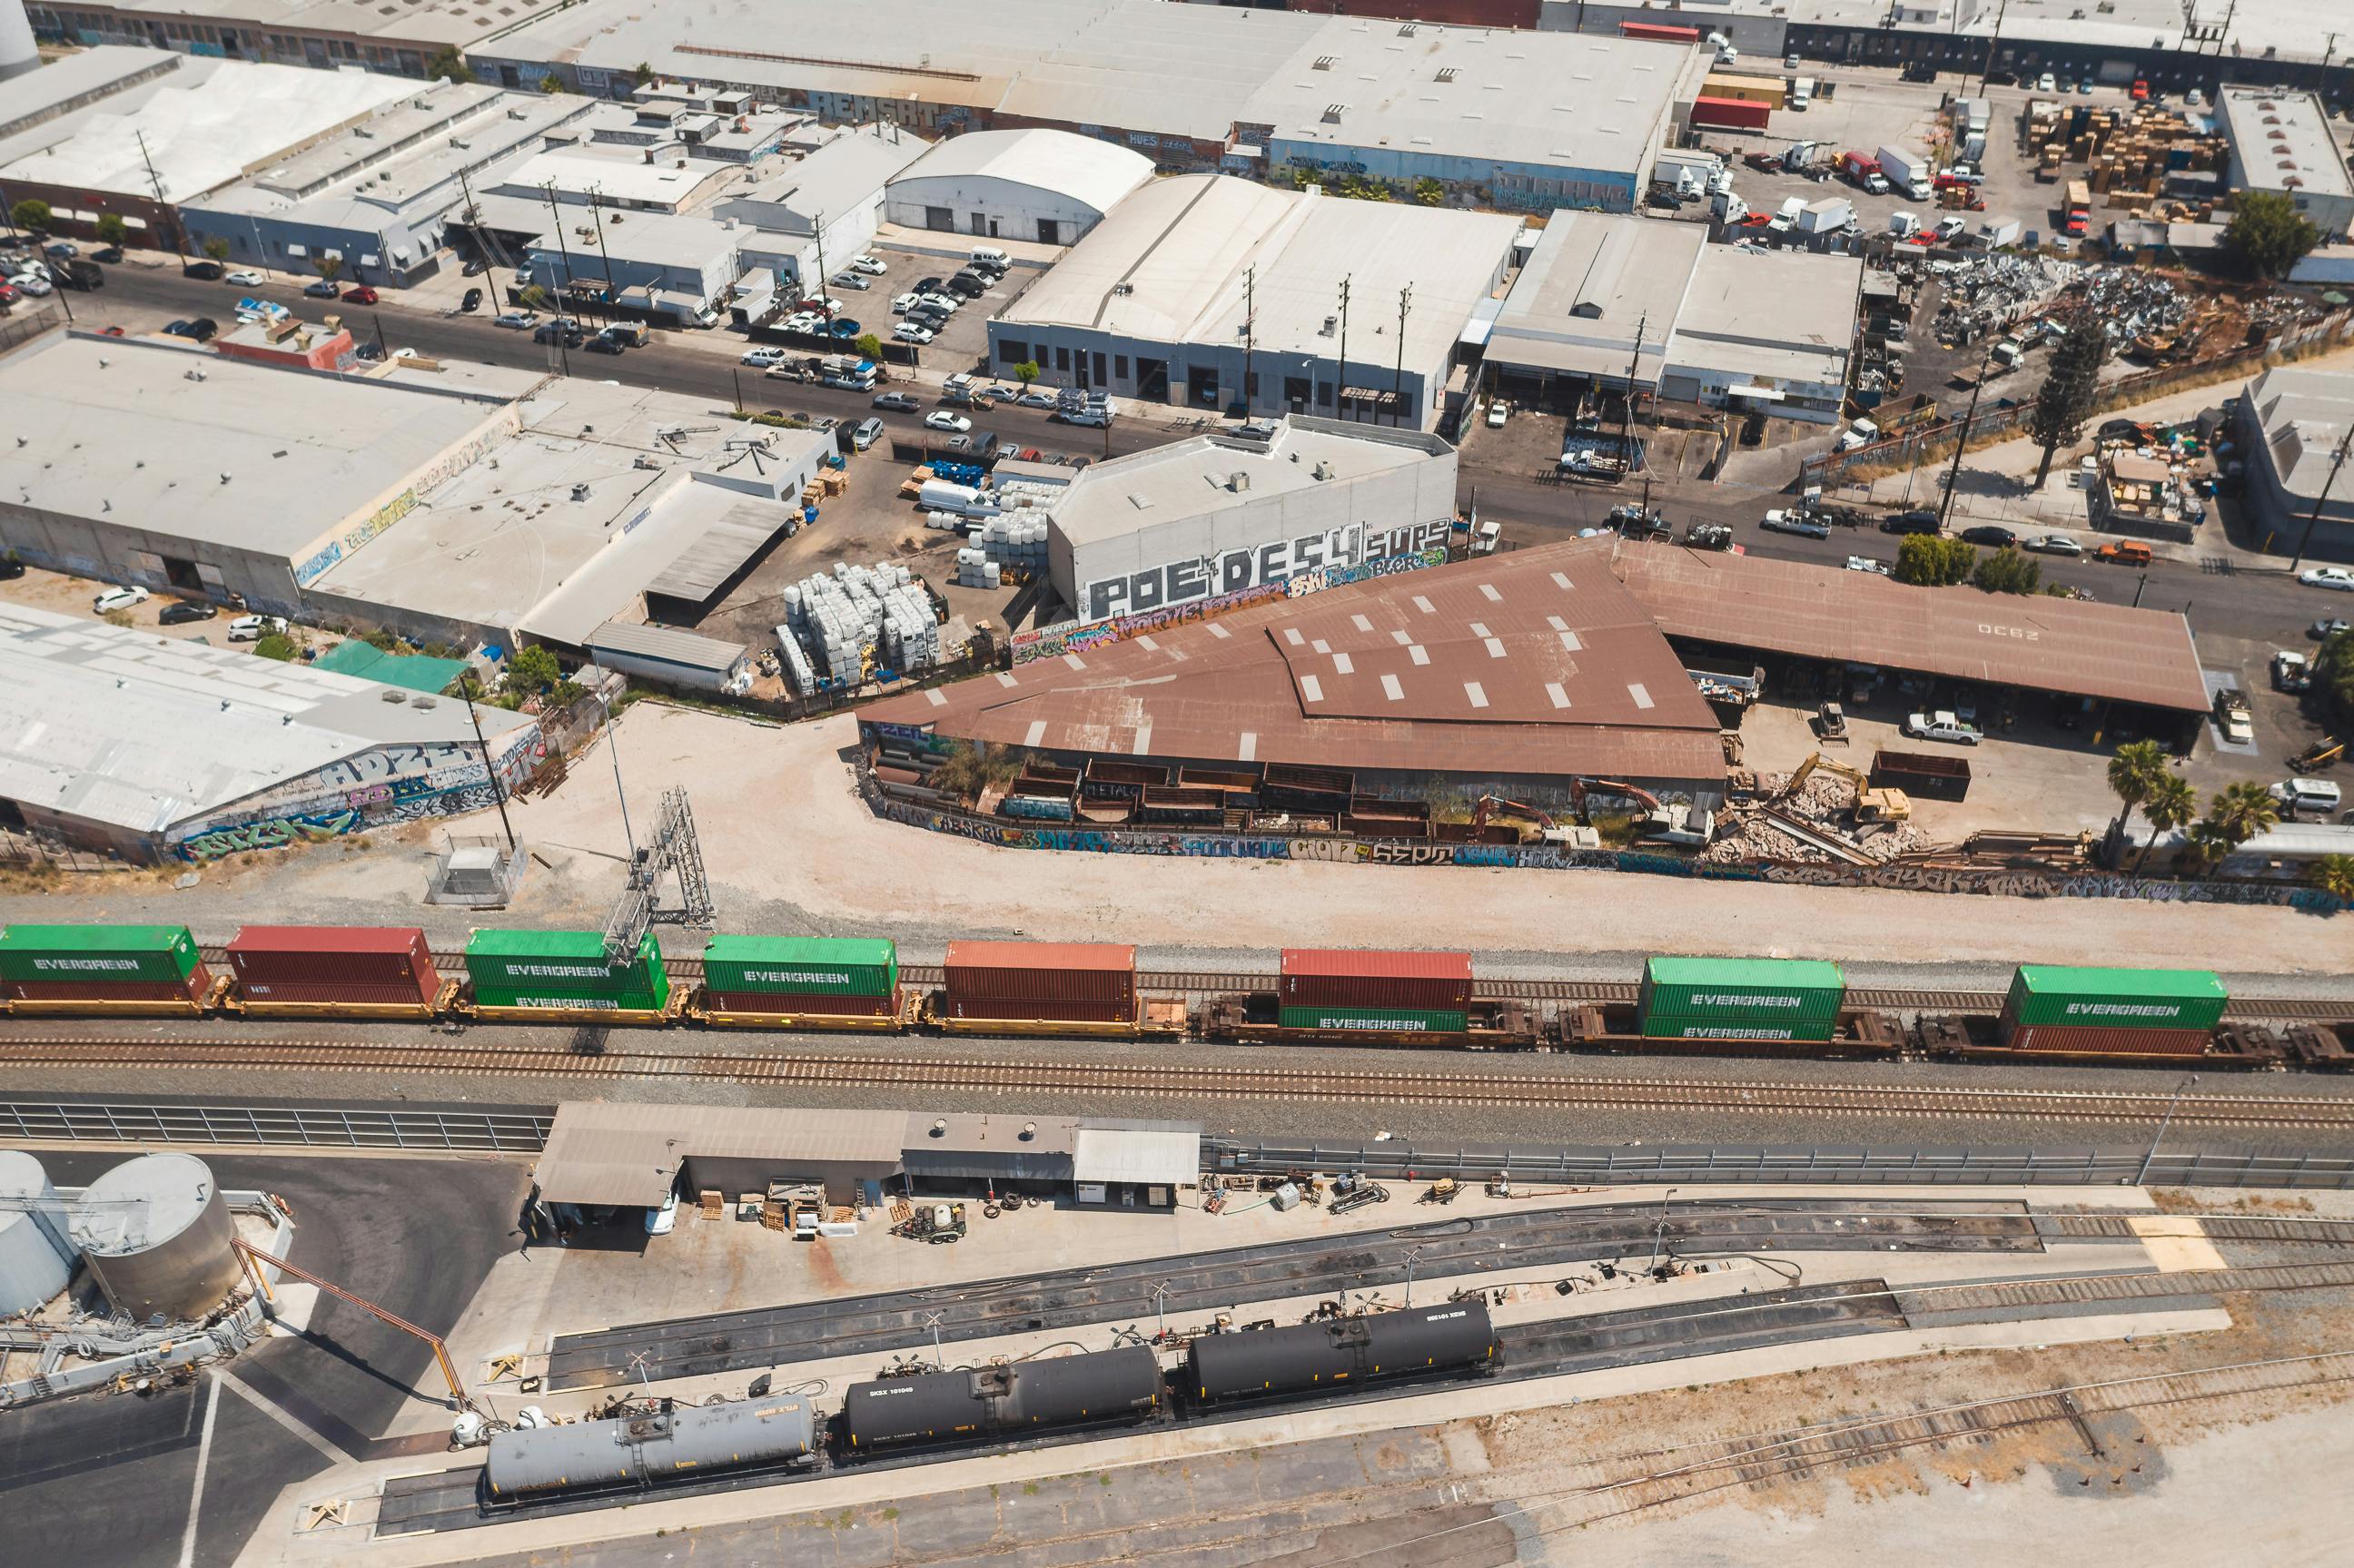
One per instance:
(2333, 675)
(2133, 776)
(2065, 399)
(216, 248)
(1429, 192)
(330, 267)
(2333, 874)
(31, 213)
(643, 75)
(2267, 235)
(275, 646)
(1931, 560)
(2240, 812)
(449, 65)
(533, 670)
(2171, 802)
(111, 230)
(2007, 571)
(869, 346)
(2207, 845)
(551, 82)
(1026, 372)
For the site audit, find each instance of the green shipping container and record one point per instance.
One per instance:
(803, 966)
(634, 1000)
(1725, 994)
(561, 963)
(1384, 1019)
(155, 953)
(1675, 1026)
(2115, 998)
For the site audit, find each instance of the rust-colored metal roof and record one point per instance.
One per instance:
(1535, 662)
(1106, 956)
(2040, 643)
(1364, 962)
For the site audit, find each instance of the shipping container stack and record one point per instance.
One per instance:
(361, 968)
(1740, 999)
(1390, 992)
(783, 976)
(563, 971)
(1063, 982)
(148, 969)
(2112, 1012)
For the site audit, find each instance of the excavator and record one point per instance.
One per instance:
(1548, 831)
(1870, 805)
(1676, 824)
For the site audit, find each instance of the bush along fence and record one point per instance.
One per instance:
(1204, 845)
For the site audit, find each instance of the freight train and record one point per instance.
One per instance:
(650, 1443)
(1343, 997)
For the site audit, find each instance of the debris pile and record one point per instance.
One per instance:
(1825, 805)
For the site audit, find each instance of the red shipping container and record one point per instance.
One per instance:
(1047, 1009)
(800, 1001)
(1014, 979)
(375, 965)
(197, 986)
(1730, 113)
(2104, 1040)
(1354, 976)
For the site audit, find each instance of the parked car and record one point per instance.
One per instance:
(471, 302)
(1988, 534)
(244, 277)
(2054, 545)
(474, 269)
(2292, 671)
(941, 419)
(1034, 399)
(2125, 552)
(520, 321)
(762, 356)
(848, 280)
(865, 433)
(928, 285)
(2326, 628)
(33, 284)
(2338, 577)
(910, 332)
(1866, 564)
(821, 305)
(788, 370)
(548, 332)
(320, 288)
(659, 1220)
(60, 248)
(1943, 725)
(109, 254)
(205, 271)
(972, 287)
(201, 329)
(2308, 797)
(119, 599)
(600, 343)
(870, 264)
(897, 402)
(184, 612)
(1498, 412)
(905, 302)
(1794, 521)
(254, 627)
(359, 294)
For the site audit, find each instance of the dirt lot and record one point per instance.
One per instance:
(62, 595)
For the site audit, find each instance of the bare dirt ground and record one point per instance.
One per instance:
(791, 847)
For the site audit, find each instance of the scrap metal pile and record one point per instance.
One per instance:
(1991, 294)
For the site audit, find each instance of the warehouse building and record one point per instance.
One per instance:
(163, 139)
(1224, 295)
(376, 204)
(683, 263)
(260, 755)
(1789, 361)
(2293, 423)
(320, 33)
(1048, 186)
(1509, 674)
(2282, 145)
(1248, 505)
(808, 217)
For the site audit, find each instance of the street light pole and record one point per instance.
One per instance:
(498, 793)
(2141, 1177)
(2336, 462)
(1660, 1231)
(1412, 1254)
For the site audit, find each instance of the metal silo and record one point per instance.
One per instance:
(37, 1253)
(155, 1233)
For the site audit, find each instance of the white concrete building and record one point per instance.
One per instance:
(687, 262)
(806, 218)
(1243, 507)
(1220, 294)
(2281, 143)
(1049, 187)
(1765, 331)
(2292, 422)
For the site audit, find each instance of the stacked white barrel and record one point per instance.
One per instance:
(831, 621)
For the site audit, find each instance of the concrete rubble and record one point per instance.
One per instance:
(1825, 804)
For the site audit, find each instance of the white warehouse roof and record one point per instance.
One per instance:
(1093, 174)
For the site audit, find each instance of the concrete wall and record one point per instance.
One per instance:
(109, 551)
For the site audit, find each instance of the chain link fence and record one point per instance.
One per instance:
(523, 1130)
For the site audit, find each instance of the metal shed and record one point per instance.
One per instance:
(1135, 1164)
(603, 1155)
(942, 1151)
(667, 654)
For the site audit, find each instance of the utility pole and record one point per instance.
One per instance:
(1626, 409)
(563, 348)
(1397, 380)
(2336, 462)
(613, 745)
(1412, 1254)
(1962, 442)
(2141, 1177)
(156, 184)
(817, 228)
(498, 793)
(1993, 40)
(1340, 388)
(1250, 321)
(596, 211)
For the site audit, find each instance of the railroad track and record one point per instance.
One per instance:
(1172, 1081)
(1213, 983)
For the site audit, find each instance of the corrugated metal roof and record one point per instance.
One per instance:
(975, 1133)
(1534, 662)
(2044, 644)
(629, 1155)
(668, 645)
(732, 538)
(1163, 1155)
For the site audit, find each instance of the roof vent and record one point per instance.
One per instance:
(1330, 323)
(939, 1126)
(1325, 62)
(1407, 31)
(580, 490)
(396, 697)
(1447, 73)
(1332, 112)
(1029, 1130)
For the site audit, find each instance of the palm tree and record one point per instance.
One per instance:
(2134, 771)
(2171, 803)
(2240, 812)
(2333, 874)
(2209, 844)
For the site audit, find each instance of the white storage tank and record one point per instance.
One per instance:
(155, 1233)
(36, 1251)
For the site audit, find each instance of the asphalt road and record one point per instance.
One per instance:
(2257, 606)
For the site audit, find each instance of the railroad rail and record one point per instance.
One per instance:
(1172, 1080)
(1213, 983)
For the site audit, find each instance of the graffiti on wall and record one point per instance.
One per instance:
(451, 460)
(271, 832)
(381, 788)
(1553, 857)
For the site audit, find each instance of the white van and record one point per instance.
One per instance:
(990, 255)
(2299, 796)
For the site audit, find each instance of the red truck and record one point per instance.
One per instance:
(1864, 170)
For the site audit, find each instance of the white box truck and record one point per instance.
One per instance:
(1908, 170)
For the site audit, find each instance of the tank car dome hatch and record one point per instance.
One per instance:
(36, 1251)
(155, 1232)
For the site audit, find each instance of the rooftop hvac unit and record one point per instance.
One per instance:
(1239, 481)
(580, 490)
(1330, 323)
(1322, 470)
(394, 697)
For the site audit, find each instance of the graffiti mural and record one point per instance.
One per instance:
(274, 832)
(1553, 857)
